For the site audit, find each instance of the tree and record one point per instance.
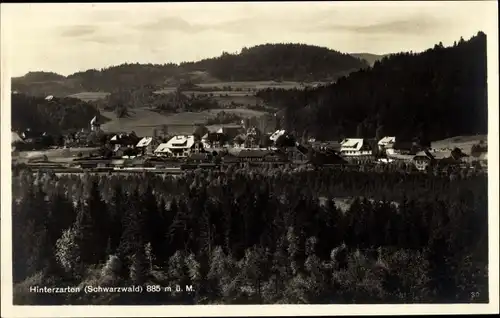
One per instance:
(360, 131)
(121, 110)
(68, 252)
(379, 134)
(285, 141)
(200, 131)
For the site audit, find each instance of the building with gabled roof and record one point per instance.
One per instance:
(144, 142)
(145, 145)
(162, 150)
(355, 147)
(386, 142)
(180, 146)
(95, 125)
(278, 133)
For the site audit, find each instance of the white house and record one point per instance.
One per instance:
(277, 134)
(162, 150)
(145, 144)
(179, 146)
(355, 147)
(94, 124)
(386, 143)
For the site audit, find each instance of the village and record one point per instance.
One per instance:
(230, 145)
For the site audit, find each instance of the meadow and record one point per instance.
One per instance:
(89, 96)
(143, 121)
(465, 143)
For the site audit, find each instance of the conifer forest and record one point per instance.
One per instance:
(261, 236)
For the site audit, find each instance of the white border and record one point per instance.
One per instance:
(8, 310)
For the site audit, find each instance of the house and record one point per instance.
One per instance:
(214, 139)
(162, 150)
(124, 140)
(355, 147)
(145, 145)
(95, 125)
(402, 148)
(386, 143)
(278, 133)
(230, 131)
(179, 146)
(423, 159)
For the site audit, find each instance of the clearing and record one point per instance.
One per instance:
(143, 121)
(463, 142)
(89, 96)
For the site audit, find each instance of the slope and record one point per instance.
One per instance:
(293, 62)
(439, 93)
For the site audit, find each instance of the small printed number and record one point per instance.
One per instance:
(153, 289)
(474, 294)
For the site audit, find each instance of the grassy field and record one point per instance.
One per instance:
(227, 98)
(54, 155)
(143, 121)
(463, 142)
(89, 96)
(242, 112)
(257, 85)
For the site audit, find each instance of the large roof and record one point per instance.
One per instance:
(180, 142)
(277, 134)
(144, 142)
(352, 144)
(387, 140)
(162, 148)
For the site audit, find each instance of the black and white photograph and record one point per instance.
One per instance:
(249, 153)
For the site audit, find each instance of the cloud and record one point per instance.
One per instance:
(416, 25)
(78, 30)
(234, 26)
(170, 24)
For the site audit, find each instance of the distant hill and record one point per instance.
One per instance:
(369, 57)
(439, 93)
(286, 62)
(280, 62)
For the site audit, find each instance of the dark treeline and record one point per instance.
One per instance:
(292, 62)
(440, 92)
(55, 115)
(261, 236)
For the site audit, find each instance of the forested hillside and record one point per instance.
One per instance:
(293, 62)
(252, 237)
(50, 115)
(440, 93)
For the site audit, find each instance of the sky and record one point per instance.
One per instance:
(66, 38)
